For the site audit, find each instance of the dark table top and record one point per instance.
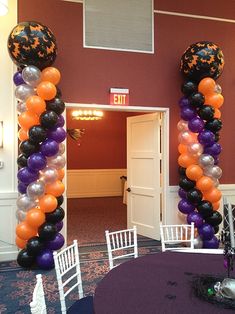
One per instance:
(160, 283)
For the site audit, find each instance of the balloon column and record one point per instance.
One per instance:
(32, 47)
(201, 64)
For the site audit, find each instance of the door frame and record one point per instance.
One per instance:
(165, 145)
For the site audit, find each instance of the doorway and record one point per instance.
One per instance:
(163, 113)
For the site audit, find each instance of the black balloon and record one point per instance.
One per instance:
(37, 134)
(34, 246)
(205, 208)
(24, 259)
(56, 216)
(215, 219)
(48, 119)
(186, 184)
(57, 105)
(206, 112)
(216, 229)
(58, 92)
(22, 160)
(214, 125)
(28, 148)
(194, 196)
(189, 88)
(217, 136)
(182, 171)
(47, 231)
(60, 200)
(197, 99)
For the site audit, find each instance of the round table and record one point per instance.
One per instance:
(158, 283)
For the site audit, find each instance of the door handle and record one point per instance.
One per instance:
(128, 189)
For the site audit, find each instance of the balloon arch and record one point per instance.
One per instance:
(201, 64)
(32, 47)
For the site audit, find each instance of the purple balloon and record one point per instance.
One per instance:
(206, 232)
(196, 218)
(37, 161)
(206, 137)
(214, 150)
(187, 113)
(27, 175)
(22, 188)
(60, 122)
(196, 125)
(182, 193)
(59, 225)
(18, 79)
(183, 102)
(45, 259)
(213, 243)
(58, 134)
(49, 148)
(185, 206)
(56, 243)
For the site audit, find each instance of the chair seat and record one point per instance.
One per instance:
(82, 306)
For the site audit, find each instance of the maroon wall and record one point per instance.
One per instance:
(153, 79)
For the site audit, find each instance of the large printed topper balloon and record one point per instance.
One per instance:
(202, 59)
(31, 43)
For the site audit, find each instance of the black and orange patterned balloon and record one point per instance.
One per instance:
(202, 59)
(31, 43)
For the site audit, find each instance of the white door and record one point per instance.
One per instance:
(144, 173)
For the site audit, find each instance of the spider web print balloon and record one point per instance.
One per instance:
(31, 43)
(202, 59)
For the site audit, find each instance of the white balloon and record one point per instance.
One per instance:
(57, 161)
(23, 91)
(195, 149)
(48, 175)
(36, 189)
(20, 215)
(61, 148)
(21, 107)
(25, 203)
(182, 125)
(31, 75)
(214, 172)
(206, 160)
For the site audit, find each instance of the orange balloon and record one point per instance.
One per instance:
(194, 172)
(46, 90)
(216, 205)
(35, 217)
(215, 100)
(48, 203)
(213, 196)
(185, 160)
(27, 119)
(207, 86)
(204, 184)
(51, 74)
(24, 231)
(61, 174)
(20, 243)
(23, 134)
(182, 148)
(217, 113)
(36, 104)
(56, 188)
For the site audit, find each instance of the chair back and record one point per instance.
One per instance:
(38, 304)
(121, 244)
(171, 235)
(68, 272)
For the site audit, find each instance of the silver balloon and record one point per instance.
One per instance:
(195, 149)
(57, 161)
(31, 75)
(218, 89)
(61, 148)
(206, 160)
(182, 125)
(213, 172)
(186, 137)
(21, 107)
(198, 243)
(36, 189)
(20, 215)
(25, 203)
(48, 175)
(23, 91)
(215, 182)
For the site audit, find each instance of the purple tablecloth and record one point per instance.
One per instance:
(158, 284)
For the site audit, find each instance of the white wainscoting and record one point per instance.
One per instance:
(94, 182)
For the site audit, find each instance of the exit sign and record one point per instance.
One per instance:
(119, 96)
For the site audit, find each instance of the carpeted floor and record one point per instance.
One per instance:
(17, 284)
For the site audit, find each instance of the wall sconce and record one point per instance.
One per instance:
(1, 134)
(87, 114)
(3, 7)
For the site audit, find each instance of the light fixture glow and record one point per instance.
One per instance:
(3, 7)
(1, 134)
(87, 114)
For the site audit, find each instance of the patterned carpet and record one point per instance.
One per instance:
(16, 284)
